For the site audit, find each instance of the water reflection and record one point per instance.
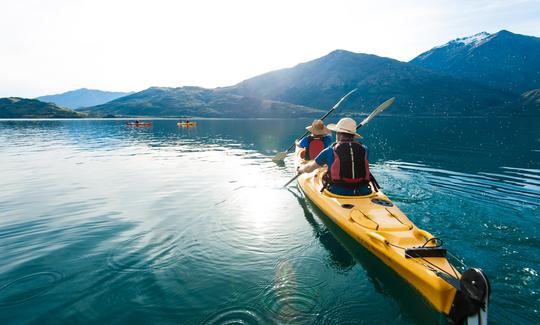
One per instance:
(339, 257)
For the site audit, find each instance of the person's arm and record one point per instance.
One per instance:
(328, 141)
(318, 162)
(309, 167)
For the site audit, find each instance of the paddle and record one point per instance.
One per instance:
(292, 179)
(375, 112)
(281, 155)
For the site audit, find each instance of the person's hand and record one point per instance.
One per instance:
(299, 170)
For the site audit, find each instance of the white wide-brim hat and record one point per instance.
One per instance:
(318, 128)
(345, 125)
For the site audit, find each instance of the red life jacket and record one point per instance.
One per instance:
(350, 167)
(315, 146)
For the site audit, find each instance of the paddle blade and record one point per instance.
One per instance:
(342, 99)
(280, 156)
(377, 111)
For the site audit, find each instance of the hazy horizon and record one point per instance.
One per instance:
(58, 46)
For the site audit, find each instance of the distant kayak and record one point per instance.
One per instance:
(139, 123)
(186, 123)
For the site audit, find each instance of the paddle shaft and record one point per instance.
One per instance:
(292, 179)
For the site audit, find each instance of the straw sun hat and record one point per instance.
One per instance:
(345, 125)
(318, 128)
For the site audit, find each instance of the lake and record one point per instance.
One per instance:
(105, 223)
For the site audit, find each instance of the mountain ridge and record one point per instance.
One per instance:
(193, 101)
(316, 85)
(320, 82)
(502, 60)
(82, 97)
(17, 107)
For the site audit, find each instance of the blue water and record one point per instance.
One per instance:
(103, 223)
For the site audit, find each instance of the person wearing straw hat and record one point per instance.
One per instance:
(347, 160)
(317, 141)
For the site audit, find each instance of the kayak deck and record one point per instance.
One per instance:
(378, 225)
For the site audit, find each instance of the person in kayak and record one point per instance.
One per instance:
(347, 160)
(317, 141)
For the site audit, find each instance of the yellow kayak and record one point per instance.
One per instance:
(376, 223)
(186, 124)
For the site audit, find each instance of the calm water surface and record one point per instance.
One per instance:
(103, 223)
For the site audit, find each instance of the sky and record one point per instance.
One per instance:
(53, 46)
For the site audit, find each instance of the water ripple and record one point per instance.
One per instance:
(150, 251)
(28, 287)
(503, 189)
(346, 313)
(252, 221)
(235, 315)
(296, 291)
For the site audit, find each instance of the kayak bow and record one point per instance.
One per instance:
(417, 256)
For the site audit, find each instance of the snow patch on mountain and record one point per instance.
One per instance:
(472, 41)
(475, 39)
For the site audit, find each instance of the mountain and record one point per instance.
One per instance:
(311, 88)
(321, 82)
(15, 107)
(82, 98)
(196, 101)
(504, 60)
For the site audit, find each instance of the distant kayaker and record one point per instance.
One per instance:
(317, 141)
(347, 160)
